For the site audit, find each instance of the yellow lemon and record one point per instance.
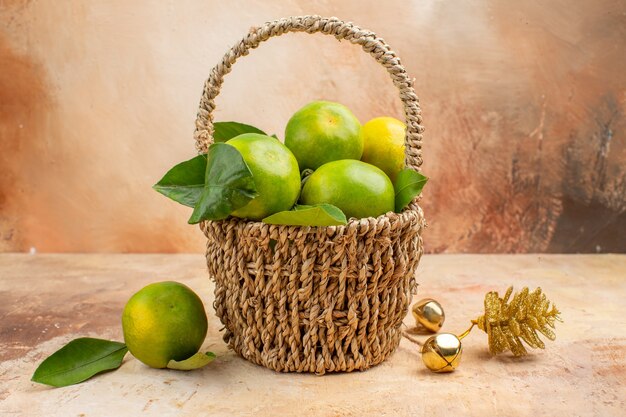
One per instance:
(383, 144)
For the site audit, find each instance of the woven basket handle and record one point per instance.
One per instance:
(368, 40)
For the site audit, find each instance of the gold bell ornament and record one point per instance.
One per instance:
(428, 314)
(509, 323)
(442, 352)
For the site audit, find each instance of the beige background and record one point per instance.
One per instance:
(524, 106)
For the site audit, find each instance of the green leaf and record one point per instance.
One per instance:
(224, 131)
(228, 184)
(317, 215)
(184, 183)
(194, 362)
(274, 136)
(408, 185)
(79, 360)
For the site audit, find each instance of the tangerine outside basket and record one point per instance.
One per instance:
(315, 299)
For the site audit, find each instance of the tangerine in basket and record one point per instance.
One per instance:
(164, 321)
(276, 175)
(321, 132)
(357, 188)
(383, 144)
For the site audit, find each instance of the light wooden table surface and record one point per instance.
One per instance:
(47, 300)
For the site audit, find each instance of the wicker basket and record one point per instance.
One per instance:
(315, 299)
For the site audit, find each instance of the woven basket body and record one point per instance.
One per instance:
(315, 299)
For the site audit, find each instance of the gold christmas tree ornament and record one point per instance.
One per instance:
(510, 322)
(429, 314)
(442, 352)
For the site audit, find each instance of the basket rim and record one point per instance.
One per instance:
(412, 211)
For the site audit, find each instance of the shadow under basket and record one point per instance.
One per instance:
(315, 299)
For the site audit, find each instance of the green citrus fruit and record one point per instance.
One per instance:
(357, 188)
(163, 321)
(383, 144)
(322, 132)
(275, 171)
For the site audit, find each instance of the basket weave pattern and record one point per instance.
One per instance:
(315, 299)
